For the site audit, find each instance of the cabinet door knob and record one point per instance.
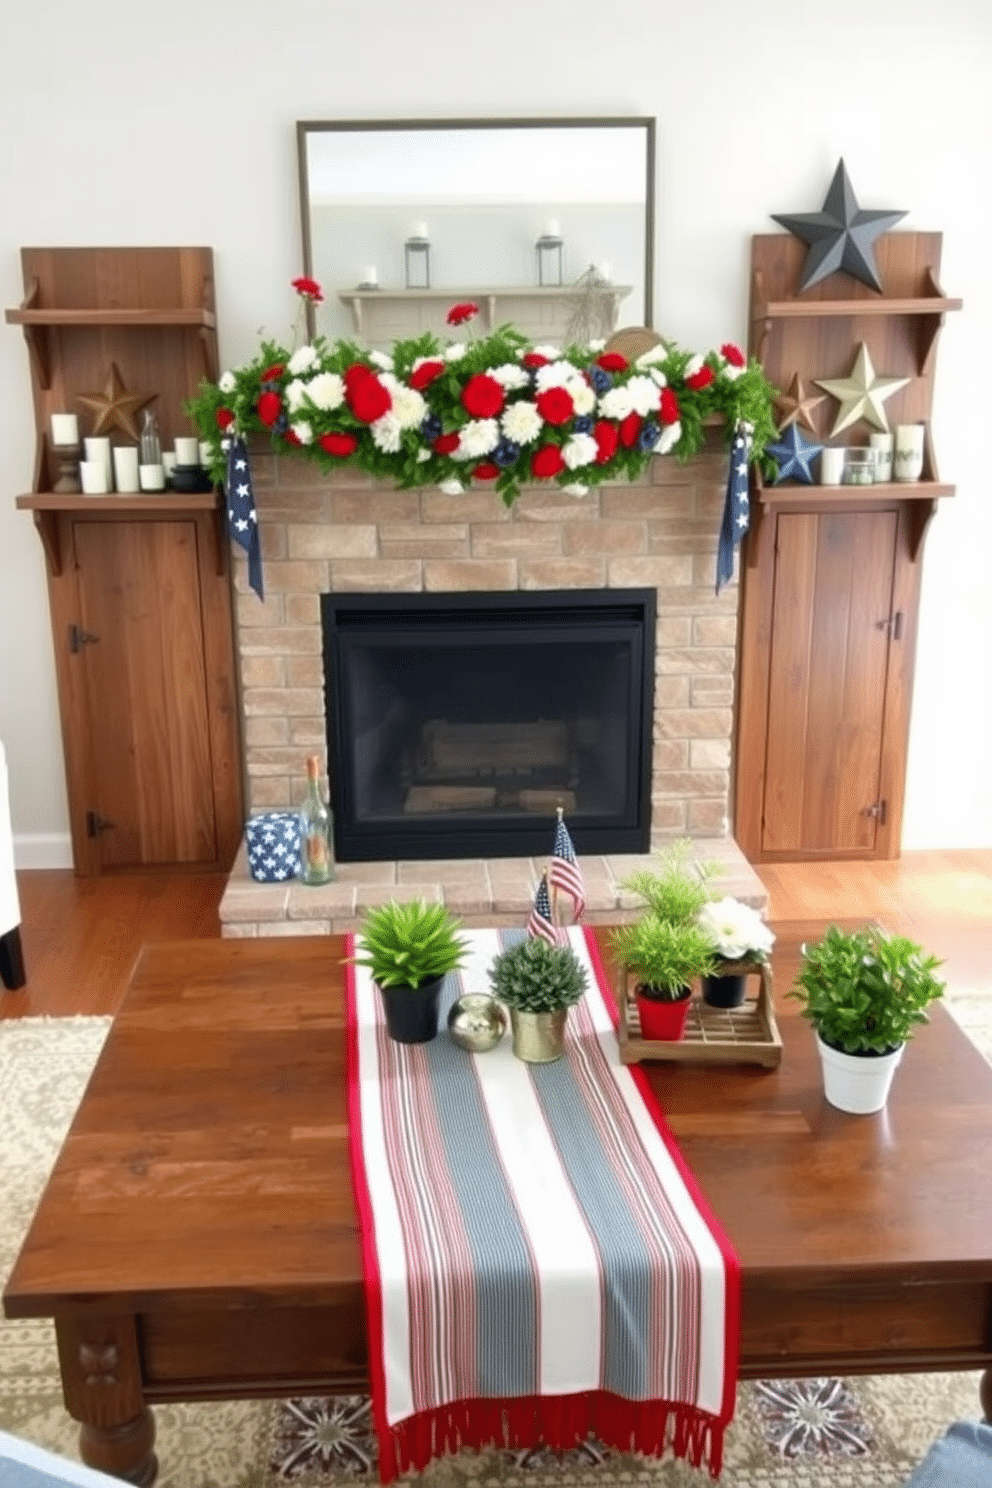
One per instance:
(78, 638)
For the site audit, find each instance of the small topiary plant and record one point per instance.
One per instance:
(534, 976)
(405, 945)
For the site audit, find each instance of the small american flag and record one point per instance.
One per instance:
(564, 871)
(736, 514)
(541, 924)
(242, 519)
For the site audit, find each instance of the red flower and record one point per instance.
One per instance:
(272, 374)
(425, 374)
(308, 288)
(269, 407)
(458, 314)
(607, 437)
(338, 444)
(555, 405)
(612, 361)
(629, 430)
(534, 359)
(444, 444)
(700, 379)
(546, 462)
(733, 354)
(483, 396)
(368, 399)
(486, 471)
(291, 437)
(355, 374)
(224, 417)
(669, 413)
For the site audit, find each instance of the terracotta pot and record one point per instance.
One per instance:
(412, 1012)
(663, 1020)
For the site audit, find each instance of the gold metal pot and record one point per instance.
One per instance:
(538, 1038)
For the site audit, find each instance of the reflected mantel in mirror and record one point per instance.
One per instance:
(482, 199)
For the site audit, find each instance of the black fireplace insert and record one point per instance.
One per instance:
(458, 723)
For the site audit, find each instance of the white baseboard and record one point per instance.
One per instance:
(43, 850)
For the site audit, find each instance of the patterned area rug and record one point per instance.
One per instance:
(823, 1433)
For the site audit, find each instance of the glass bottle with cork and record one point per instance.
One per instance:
(316, 846)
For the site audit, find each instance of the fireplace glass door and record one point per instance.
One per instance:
(457, 724)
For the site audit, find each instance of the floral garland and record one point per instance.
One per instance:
(494, 410)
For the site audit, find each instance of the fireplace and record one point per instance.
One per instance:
(457, 723)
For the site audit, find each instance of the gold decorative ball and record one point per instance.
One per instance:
(476, 1022)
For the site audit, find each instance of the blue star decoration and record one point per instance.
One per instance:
(841, 237)
(794, 455)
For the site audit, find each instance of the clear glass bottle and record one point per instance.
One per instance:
(316, 846)
(150, 444)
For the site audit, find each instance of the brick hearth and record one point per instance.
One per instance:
(346, 532)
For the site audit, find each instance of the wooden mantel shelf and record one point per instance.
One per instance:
(49, 506)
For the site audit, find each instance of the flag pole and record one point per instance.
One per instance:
(554, 890)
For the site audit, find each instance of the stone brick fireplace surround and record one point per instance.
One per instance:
(346, 532)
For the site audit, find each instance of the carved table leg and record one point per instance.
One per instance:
(101, 1383)
(985, 1394)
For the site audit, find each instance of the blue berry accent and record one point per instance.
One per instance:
(600, 379)
(506, 453)
(432, 428)
(281, 424)
(583, 424)
(649, 436)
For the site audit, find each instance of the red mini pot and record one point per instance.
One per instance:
(663, 1018)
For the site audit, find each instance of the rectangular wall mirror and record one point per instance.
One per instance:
(544, 223)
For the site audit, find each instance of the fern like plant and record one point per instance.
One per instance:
(665, 957)
(534, 976)
(405, 945)
(678, 888)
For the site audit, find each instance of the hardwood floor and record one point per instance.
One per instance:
(81, 935)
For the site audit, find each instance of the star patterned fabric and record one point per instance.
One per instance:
(841, 237)
(242, 518)
(736, 509)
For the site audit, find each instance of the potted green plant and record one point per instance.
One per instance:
(538, 982)
(740, 939)
(409, 949)
(676, 890)
(661, 961)
(865, 992)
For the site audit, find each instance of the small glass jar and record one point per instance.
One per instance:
(859, 467)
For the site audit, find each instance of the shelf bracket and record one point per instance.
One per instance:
(37, 338)
(47, 523)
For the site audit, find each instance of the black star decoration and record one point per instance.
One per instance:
(841, 237)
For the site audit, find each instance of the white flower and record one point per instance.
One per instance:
(576, 488)
(296, 392)
(453, 353)
(228, 382)
(616, 404)
(451, 487)
(583, 396)
(408, 405)
(735, 929)
(597, 343)
(670, 436)
(509, 376)
(554, 374)
(422, 455)
(476, 438)
(551, 352)
(303, 358)
(303, 431)
(382, 359)
(653, 354)
(326, 390)
(644, 394)
(659, 377)
(581, 449)
(386, 433)
(730, 372)
(694, 365)
(521, 422)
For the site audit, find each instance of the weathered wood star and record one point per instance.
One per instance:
(862, 394)
(115, 407)
(796, 406)
(793, 455)
(841, 237)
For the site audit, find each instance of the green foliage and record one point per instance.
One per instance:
(664, 956)
(404, 945)
(534, 976)
(865, 991)
(677, 890)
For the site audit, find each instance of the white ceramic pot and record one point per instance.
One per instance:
(858, 1083)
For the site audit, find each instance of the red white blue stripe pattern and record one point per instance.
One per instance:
(539, 1263)
(564, 871)
(540, 923)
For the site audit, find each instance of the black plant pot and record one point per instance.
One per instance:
(724, 991)
(412, 1012)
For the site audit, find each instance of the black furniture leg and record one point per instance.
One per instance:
(12, 960)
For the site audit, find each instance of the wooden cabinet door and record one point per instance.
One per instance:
(144, 685)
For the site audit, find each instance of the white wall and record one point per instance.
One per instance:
(175, 124)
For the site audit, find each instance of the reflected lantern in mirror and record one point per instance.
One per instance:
(549, 259)
(418, 258)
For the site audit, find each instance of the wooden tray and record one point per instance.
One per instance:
(743, 1035)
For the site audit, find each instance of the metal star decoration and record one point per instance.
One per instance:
(796, 406)
(115, 407)
(794, 455)
(841, 237)
(862, 394)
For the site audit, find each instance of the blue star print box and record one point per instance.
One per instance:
(274, 846)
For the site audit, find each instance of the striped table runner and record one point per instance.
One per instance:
(539, 1263)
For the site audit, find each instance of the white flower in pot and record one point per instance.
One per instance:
(738, 935)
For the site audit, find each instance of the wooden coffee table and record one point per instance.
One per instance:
(198, 1239)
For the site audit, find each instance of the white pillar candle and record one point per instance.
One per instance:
(98, 448)
(369, 275)
(187, 450)
(126, 467)
(418, 230)
(831, 466)
(65, 429)
(552, 228)
(908, 457)
(93, 477)
(151, 477)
